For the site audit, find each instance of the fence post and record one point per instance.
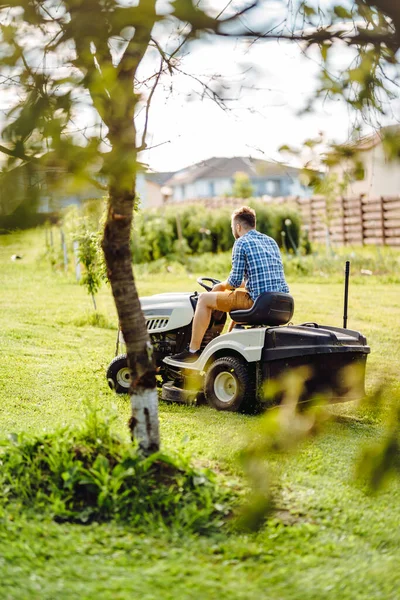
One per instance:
(64, 249)
(342, 207)
(310, 201)
(382, 206)
(362, 219)
(77, 261)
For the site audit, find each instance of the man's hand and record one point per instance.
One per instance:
(224, 285)
(220, 287)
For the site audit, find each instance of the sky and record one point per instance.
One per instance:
(184, 128)
(264, 117)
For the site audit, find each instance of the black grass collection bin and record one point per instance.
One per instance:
(330, 360)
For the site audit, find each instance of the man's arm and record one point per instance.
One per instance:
(236, 276)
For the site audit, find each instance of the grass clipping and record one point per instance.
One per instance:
(91, 475)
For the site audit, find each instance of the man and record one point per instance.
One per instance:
(256, 268)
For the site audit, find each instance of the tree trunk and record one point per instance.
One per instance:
(391, 8)
(143, 391)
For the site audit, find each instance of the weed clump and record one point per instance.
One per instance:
(94, 319)
(91, 475)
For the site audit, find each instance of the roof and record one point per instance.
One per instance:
(222, 167)
(370, 141)
(158, 178)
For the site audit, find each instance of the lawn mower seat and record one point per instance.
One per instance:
(270, 308)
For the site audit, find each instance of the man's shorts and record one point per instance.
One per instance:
(234, 300)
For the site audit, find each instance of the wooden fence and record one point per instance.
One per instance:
(355, 220)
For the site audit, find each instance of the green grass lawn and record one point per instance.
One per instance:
(330, 540)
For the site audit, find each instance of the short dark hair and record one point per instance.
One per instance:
(246, 216)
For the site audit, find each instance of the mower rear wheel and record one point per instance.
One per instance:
(118, 375)
(230, 384)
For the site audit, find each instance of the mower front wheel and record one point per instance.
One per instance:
(230, 385)
(118, 376)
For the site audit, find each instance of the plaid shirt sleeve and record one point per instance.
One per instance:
(236, 276)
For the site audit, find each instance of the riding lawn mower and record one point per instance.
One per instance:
(235, 369)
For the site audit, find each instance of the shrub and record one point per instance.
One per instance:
(95, 210)
(156, 232)
(89, 256)
(91, 475)
(152, 237)
(265, 217)
(242, 187)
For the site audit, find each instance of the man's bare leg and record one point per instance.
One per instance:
(206, 304)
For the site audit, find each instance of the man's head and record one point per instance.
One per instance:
(243, 219)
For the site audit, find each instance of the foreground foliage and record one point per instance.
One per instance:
(90, 475)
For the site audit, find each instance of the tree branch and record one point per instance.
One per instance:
(361, 38)
(15, 154)
(391, 8)
(137, 46)
(101, 101)
(237, 15)
(148, 103)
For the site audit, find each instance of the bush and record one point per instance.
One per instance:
(91, 475)
(156, 232)
(275, 219)
(211, 265)
(152, 237)
(19, 198)
(242, 187)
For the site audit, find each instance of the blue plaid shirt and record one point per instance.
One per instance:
(256, 259)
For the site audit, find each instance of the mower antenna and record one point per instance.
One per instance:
(117, 341)
(346, 292)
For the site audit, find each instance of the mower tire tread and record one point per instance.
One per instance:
(118, 374)
(240, 375)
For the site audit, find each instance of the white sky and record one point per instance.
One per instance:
(261, 120)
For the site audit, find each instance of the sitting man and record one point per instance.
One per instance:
(256, 268)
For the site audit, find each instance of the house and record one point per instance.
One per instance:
(54, 198)
(380, 173)
(151, 188)
(215, 177)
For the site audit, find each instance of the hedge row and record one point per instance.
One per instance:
(177, 231)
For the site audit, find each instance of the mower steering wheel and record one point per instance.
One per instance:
(201, 281)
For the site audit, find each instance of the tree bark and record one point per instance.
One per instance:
(391, 8)
(121, 166)
(143, 392)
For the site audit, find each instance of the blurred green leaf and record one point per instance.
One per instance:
(342, 12)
